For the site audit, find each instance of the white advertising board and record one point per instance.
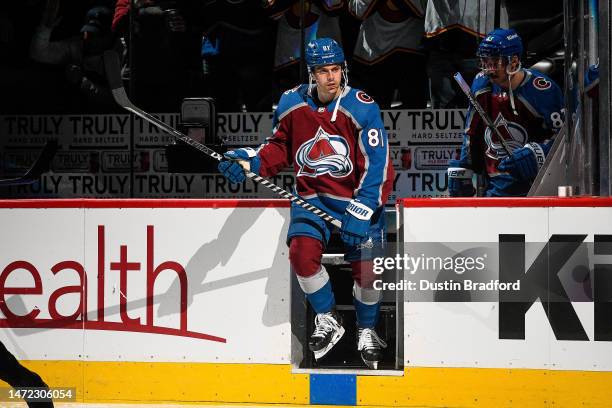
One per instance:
(162, 284)
(469, 334)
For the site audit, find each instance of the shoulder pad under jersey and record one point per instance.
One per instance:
(541, 94)
(481, 84)
(290, 99)
(360, 106)
(537, 84)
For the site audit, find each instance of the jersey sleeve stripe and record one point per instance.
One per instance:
(288, 111)
(482, 91)
(529, 107)
(348, 114)
(384, 177)
(366, 164)
(366, 171)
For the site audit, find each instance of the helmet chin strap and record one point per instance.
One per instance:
(510, 73)
(311, 82)
(345, 78)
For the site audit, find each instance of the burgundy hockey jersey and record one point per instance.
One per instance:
(337, 161)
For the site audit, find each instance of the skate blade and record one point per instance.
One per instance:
(320, 353)
(372, 365)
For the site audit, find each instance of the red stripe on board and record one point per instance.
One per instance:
(143, 203)
(107, 326)
(507, 202)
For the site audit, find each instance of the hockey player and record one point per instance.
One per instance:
(334, 137)
(453, 30)
(525, 106)
(18, 376)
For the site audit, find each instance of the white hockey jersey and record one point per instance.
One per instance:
(319, 25)
(387, 29)
(476, 17)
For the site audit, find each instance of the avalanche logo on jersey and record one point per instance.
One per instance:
(514, 135)
(364, 97)
(324, 154)
(541, 83)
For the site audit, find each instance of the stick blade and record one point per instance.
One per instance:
(112, 67)
(43, 163)
(40, 166)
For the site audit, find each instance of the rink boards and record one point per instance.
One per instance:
(188, 300)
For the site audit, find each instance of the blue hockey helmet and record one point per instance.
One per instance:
(323, 51)
(500, 43)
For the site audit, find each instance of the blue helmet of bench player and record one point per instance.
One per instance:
(497, 50)
(323, 51)
(501, 43)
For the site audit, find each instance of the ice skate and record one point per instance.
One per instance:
(369, 345)
(328, 331)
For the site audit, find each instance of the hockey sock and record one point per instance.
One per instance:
(367, 306)
(305, 258)
(366, 298)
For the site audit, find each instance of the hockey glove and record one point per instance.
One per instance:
(240, 160)
(459, 180)
(355, 223)
(524, 163)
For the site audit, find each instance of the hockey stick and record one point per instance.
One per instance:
(468, 92)
(40, 166)
(113, 74)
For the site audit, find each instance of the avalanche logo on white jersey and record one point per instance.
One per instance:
(324, 154)
(514, 135)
